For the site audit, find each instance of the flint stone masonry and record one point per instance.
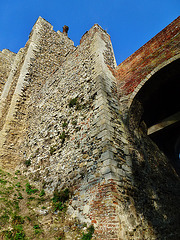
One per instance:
(6, 61)
(63, 109)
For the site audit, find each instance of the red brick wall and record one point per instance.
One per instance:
(104, 212)
(160, 48)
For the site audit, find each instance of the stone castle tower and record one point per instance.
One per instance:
(112, 133)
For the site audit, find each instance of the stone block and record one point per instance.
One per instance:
(107, 155)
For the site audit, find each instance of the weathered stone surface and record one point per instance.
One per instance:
(6, 61)
(64, 109)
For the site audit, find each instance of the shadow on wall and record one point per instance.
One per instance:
(157, 184)
(157, 194)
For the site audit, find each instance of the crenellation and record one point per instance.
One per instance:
(32, 50)
(78, 119)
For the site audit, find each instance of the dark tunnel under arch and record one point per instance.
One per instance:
(159, 98)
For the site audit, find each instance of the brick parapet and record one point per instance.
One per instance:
(159, 49)
(68, 124)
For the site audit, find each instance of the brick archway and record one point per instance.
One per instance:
(155, 105)
(141, 84)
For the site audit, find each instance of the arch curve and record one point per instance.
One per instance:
(155, 109)
(154, 71)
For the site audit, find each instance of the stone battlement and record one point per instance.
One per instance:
(77, 118)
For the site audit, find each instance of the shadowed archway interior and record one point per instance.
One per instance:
(160, 100)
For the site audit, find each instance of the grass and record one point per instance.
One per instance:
(16, 219)
(18, 172)
(63, 136)
(20, 195)
(18, 184)
(36, 226)
(21, 215)
(3, 181)
(42, 193)
(30, 189)
(4, 218)
(16, 233)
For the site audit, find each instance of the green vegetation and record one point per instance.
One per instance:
(3, 181)
(37, 229)
(74, 122)
(28, 218)
(20, 196)
(22, 211)
(60, 198)
(17, 172)
(42, 193)
(16, 205)
(73, 102)
(18, 185)
(16, 233)
(63, 136)
(27, 163)
(16, 219)
(65, 124)
(4, 218)
(89, 234)
(30, 189)
(52, 150)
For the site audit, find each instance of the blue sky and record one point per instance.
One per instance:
(130, 23)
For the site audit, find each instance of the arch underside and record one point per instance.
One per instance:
(159, 98)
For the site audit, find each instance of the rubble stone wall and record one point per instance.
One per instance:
(29, 69)
(62, 112)
(6, 60)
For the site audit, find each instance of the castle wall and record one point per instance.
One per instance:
(154, 192)
(28, 69)
(9, 88)
(6, 60)
(141, 64)
(62, 125)
(76, 146)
